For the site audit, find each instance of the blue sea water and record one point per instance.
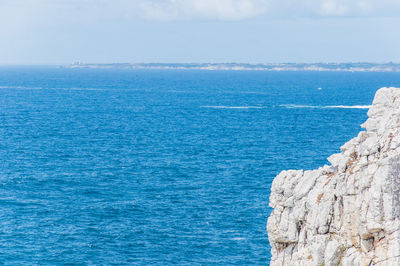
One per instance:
(157, 167)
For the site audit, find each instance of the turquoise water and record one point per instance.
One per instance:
(156, 167)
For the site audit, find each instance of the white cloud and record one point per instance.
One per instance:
(353, 8)
(245, 9)
(204, 9)
(65, 11)
(334, 8)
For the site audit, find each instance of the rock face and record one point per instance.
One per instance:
(347, 213)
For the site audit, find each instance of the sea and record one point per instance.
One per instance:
(160, 167)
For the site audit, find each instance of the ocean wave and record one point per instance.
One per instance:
(20, 88)
(327, 106)
(239, 238)
(233, 107)
(43, 88)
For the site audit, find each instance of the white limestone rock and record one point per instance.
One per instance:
(347, 213)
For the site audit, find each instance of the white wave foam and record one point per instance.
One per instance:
(238, 238)
(350, 106)
(233, 107)
(42, 88)
(327, 106)
(20, 87)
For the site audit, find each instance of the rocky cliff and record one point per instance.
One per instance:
(346, 213)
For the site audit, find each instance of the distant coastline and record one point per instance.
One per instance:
(349, 67)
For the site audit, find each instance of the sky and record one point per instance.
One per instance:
(250, 31)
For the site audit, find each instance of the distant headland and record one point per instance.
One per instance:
(349, 67)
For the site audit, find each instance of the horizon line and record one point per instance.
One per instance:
(205, 62)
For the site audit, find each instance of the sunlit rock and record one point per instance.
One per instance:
(347, 213)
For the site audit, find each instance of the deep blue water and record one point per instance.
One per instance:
(132, 167)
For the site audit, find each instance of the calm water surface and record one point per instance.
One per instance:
(156, 167)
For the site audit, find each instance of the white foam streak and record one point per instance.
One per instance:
(327, 106)
(350, 106)
(233, 107)
(42, 88)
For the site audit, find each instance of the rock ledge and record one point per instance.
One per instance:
(347, 213)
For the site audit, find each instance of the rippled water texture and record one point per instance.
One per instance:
(160, 167)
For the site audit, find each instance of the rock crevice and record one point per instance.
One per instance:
(346, 213)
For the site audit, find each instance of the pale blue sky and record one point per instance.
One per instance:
(255, 31)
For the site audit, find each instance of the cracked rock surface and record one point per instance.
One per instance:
(346, 213)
